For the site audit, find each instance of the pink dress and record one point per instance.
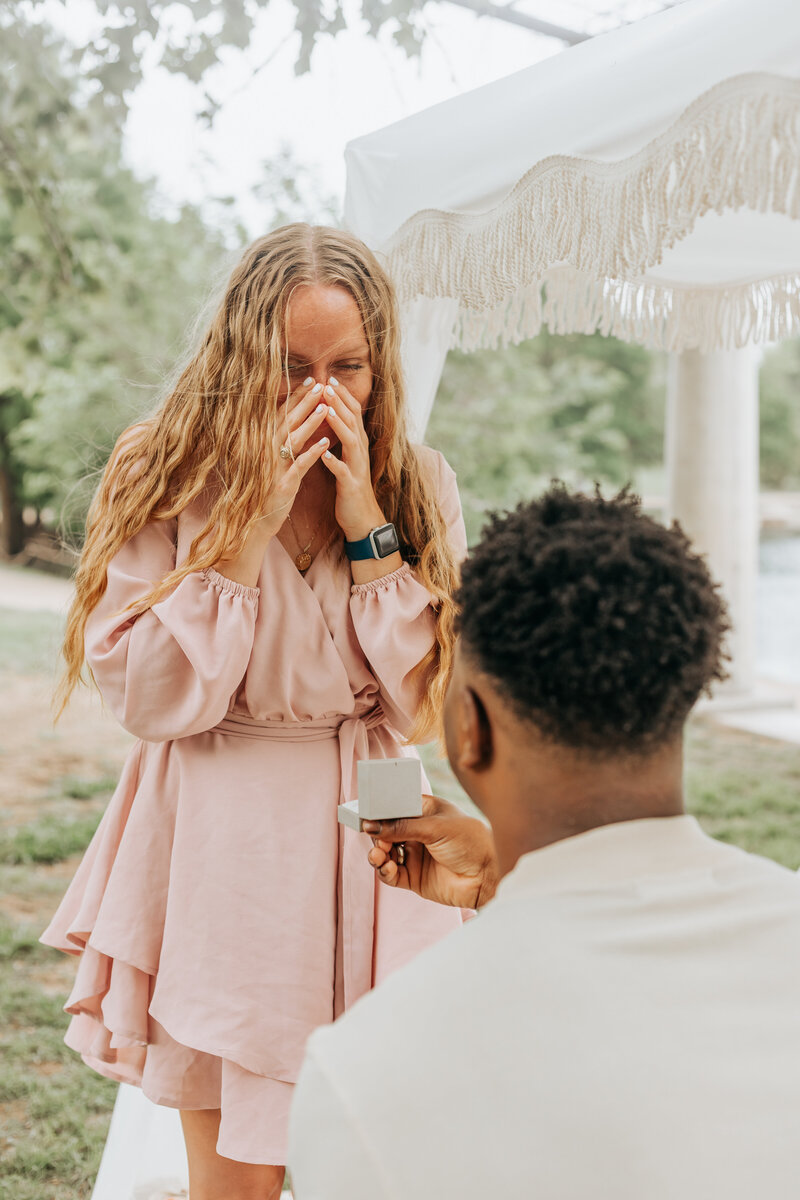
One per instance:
(221, 913)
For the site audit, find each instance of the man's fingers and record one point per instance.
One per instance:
(390, 873)
(408, 829)
(430, 827)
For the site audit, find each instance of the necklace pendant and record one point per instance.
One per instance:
(303, 560)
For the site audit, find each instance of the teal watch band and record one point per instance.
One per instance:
(379, 543)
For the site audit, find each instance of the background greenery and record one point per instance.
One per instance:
(100, 288)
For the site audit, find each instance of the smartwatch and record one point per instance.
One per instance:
(379, 543)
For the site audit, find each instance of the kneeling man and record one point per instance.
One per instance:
(622, 1020)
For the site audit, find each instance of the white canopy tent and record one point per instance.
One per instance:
(645, 184)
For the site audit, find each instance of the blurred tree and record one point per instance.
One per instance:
(780, 416)
(96, 289)
(577, 408)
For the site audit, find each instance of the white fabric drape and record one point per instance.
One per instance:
(562, 194)
(144, 1158)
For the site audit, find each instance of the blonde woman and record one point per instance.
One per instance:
(264, 598)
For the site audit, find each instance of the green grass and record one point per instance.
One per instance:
(746, 791)
(87, 789)
(51, 839)
(54, 1112)
(29, 642)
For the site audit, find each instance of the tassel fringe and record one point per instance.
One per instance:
(569, 246)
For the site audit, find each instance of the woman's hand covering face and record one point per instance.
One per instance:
(303, 416)
(357, 510)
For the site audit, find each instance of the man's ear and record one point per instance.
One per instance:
(475, 741)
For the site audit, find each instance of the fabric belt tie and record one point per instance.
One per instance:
(357, 918)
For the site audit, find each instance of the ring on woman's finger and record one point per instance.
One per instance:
(285, 452)
(400, 847)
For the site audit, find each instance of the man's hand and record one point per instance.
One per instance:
(449, 857)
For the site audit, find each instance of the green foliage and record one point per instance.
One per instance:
(97, 287)
(54, 1111)
(780, 416)
(578, 408)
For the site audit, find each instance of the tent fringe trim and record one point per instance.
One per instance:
(570, 244)
(663, 317)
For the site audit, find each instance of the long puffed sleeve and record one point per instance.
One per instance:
(393, 617)
(173, 670)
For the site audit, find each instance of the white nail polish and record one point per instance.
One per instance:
(309, 381)
(320, 408)
(331, 412)
(315, 391)
(323, 441)
(333, 382)
(329, 391)
(327, 454)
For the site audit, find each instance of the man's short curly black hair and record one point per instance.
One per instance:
(600, 626)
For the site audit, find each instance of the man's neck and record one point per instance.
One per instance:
(559, 797)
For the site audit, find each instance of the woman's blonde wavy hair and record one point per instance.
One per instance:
(214, 434)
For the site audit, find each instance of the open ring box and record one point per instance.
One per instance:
(387, 788)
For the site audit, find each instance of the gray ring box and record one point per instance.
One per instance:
(387, 788)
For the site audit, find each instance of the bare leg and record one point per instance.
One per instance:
(212, 1177)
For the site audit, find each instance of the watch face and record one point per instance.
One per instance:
(385, 540)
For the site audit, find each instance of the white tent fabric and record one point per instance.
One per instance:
(645, 183)
(145, 1158)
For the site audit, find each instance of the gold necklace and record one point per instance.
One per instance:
(302, 560)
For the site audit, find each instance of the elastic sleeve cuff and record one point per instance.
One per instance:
(378, 585)
(229, 585)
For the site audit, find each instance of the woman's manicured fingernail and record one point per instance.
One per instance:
(315, 391)
(329, 391)
(327, 452)
(331, 412)
(320, 408)
(322, 442)
(333, 382)
(309, 381)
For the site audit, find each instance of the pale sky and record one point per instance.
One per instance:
(356, 85)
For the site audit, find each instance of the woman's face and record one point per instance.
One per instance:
(325, 337)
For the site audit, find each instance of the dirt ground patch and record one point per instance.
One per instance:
(86, 743)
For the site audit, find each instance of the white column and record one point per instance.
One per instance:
(712, 482)
(427, 329)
